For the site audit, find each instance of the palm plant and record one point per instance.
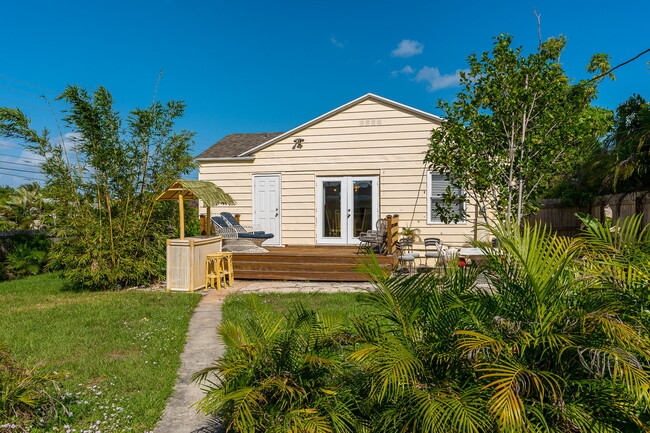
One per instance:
(27, 255)
(281, 373)
(24, 207)
(539, 347)
(617, 254)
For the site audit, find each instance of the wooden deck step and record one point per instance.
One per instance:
(303, 263)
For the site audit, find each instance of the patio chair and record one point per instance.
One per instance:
(405, 255)
(432, 250)
(237, 231)
(375, 239)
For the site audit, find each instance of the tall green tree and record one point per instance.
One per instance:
(630, 143)
(104, 183)
(620, 164)
(516, 125)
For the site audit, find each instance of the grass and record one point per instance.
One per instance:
(120, 349)
(341, 304)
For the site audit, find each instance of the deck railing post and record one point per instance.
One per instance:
(392, 229)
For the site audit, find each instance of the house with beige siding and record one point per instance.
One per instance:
(327, 180)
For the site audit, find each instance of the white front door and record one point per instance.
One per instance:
(346, 206)
(267, 206)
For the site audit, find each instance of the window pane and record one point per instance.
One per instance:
(332, 209)
(362, 190)
(437, 188)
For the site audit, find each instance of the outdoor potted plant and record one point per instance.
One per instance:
(409, 233)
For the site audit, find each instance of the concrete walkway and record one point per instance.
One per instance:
(204, 345)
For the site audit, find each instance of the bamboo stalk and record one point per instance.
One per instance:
(181, 209)
(208, 221)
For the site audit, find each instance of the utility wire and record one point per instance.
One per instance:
(27, 84)
(9, 146)
(604, 74)
(25, 93)
(23, 177)
(17, 163)
(26, 105)
(21, 157)
(20, 169)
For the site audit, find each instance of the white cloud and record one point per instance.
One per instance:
(408, 48)
(336, 42)
(435, 80)
(406, 70)
(16, 157)
(17, 165)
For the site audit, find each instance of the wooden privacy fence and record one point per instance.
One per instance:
(562, 218)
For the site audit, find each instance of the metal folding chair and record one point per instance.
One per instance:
(433, 250)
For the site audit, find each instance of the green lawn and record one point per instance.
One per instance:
(344, 305)
(120, 349)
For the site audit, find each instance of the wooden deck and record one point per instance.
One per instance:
(313, 263)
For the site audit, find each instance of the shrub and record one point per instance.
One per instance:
(540, 346)
(543, 337)
(281, 373)
(27, 255)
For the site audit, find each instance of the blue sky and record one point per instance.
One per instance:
(270, 66)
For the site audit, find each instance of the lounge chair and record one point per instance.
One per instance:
(232, 222)
(229, 231)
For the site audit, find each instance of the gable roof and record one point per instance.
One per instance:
(243, 146)
(233, 145)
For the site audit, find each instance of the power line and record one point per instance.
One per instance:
(20, 169)
(22, 103)
(27, 84)
(604, 74)
(21, 157)
(9, 146)
(11, 172)
(23, 177)
(17, 163)
(25, 93)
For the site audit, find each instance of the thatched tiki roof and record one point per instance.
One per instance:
(182, 190)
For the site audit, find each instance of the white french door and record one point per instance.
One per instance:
(346, 206)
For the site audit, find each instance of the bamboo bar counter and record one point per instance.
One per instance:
(186, 255)
(186, 261)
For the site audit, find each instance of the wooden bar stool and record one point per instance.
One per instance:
(228, 269)
(219, 270)
(213, 271)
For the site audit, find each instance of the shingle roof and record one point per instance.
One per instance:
(235, 144)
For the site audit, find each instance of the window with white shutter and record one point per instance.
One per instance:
(436, 187)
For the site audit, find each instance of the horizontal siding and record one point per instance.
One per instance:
(368, 138)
